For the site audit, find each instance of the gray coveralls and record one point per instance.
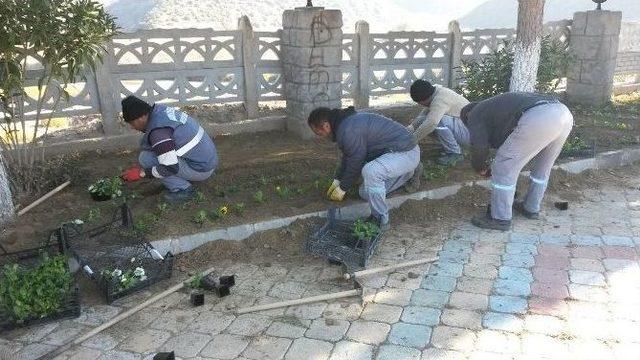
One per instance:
(452, 134)
(542, 127)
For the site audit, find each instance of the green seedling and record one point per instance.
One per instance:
(145, 223)
(122, 280)
(94, 215)
(574, 144)
(233, 189)
(365, 230)
(240, 208)
(263, 180)
(106, 187)
(200, 197)
(195, 282)
(283, 192)
(200, 217)
(36, 292)
(219, 192)
(434, 172)
(259, 197)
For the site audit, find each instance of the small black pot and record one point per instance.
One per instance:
(222, 291)
(100, 197)
(197, 298)
(228, 281)
(562, 205)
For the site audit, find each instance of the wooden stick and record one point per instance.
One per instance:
(307, 300)
(43, 198)
(121, 317)
(377, 270)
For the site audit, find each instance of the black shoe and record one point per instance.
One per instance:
(413, 184)
(485, 221)
(180, 196)
(519, 207)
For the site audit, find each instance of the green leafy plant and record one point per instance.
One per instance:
(195, 282)
(364, 230)
(67, 37)
(94, 214)
(145, 223)
(259, 197)
(263, 180)
(106, 187)
(574, 144)
(435, 171)
(491, 75)
(200, 217)
(36, 292)
(122, 280)
(220, 212)
(240, 208)
(200, 197)
(283, 192)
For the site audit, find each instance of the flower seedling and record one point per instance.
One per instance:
(259, 197)
(434, 172)
(35, 292)
(200, 197)
(263, 180)
(283, 192)
(200, 217)
(574, 144)
(240, 208)
(144, 223)
(106, 188)
(220, 212)
(122, 280)
(195, 282)
(365, 230)
(94, 214)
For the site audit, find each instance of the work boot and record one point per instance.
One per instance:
(519, 207)
(413, 184)
(485, 221)
(449, 159)
(180, 196)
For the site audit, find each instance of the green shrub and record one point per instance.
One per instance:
(492, 75)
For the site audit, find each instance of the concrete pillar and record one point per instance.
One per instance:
(363, 81)
(107, 95)
(249, 61)
(455, 54)
(594, 44)
(311, 57)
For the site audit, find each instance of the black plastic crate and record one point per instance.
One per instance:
(335, 241)
(116, 246)
(31, 258)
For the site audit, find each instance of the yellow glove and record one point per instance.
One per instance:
(333, 186)
(337, 194)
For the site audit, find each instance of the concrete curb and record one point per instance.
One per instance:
(186, 243)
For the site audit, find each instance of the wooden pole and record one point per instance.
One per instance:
(307, 300)
(120, 317)
(45, 197)
(377, 270)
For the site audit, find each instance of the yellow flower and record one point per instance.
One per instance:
(224, 210)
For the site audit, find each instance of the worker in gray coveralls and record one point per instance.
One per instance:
(382, 150)
(442, 117)
(523, 127)
(175, 148)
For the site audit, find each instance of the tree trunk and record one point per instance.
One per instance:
(527, 46)
(6, 202)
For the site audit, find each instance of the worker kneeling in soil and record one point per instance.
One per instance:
(382, 150)
(523, 127)
(175, 148)
(442, 117)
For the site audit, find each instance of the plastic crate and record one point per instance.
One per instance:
(115, 246)
(31, 258)
(335, 241)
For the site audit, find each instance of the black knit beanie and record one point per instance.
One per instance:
(133, 108)
(421, 90)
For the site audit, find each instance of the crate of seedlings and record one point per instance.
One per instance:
(36, 286)
(348, 242)
(116, 257)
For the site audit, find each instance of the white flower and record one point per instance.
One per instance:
(143, 277)
(78, 222)
(116, 273)
(124, 279)
(133, 259)
(90, 188)
(139, 272)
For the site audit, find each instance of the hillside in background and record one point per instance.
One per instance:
(382, 15)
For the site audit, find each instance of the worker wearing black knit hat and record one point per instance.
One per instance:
(442, 116)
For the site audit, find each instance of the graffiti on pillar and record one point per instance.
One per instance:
(318, 76)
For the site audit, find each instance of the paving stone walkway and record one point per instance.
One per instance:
(564, 287)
